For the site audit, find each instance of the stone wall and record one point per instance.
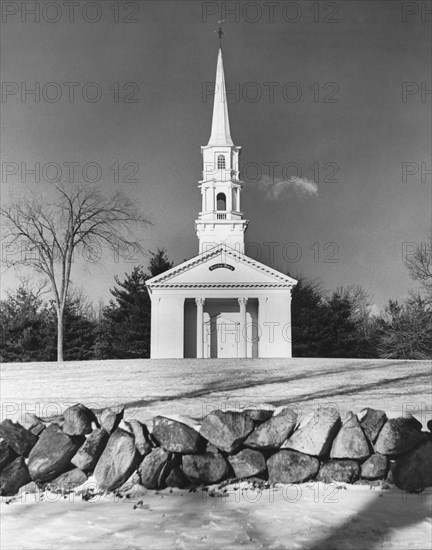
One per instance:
(271, 446)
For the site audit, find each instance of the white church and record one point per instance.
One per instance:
(221, 303)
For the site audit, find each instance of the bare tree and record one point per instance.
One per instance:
(44, 235)
(419, 265)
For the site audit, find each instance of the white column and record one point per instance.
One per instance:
(200, 327)
(243, 327)
(262, 343)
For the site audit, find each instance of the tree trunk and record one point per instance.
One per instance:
(59, 335)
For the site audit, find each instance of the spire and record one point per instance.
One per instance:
(220, 133)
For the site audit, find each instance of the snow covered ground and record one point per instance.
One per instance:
(311, 515)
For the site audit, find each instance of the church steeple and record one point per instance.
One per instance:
(220, 131)
(220, 219)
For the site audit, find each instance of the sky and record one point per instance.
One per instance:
(333, 96)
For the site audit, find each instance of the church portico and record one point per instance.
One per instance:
(221, 303)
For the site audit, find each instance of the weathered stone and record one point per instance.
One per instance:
(291, 467)
(176, 437)
(345, 471)
(6, 454)
(315, 438)
(64, 483)
(375, 467)
(17, 437)
(429, 425)
(52, 454)
(226, 430)
(152, 467)
(78, 420)
(398, 436)
(258, 415)
(90, 451)
(33, 423)
(176, 478)
(37, 429)
(14, 476)
(206, 468)
(413, 471)
(142, 437)
(247, 463)
(272, 433)
(117, 462)
(350, 441)
(372, 422)
(109, 419)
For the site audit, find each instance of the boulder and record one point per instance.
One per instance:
(152, 468)
(413, 471)
(14, 476)
(429, 425)
(176, 437)
(17, 437)
(247, 463)
(52, 454)
(344, 471)
(6, 454)
(142, 437)
(350, 441)
(315, 438)
(206, 468)
(372, 422)
(226, 430)
(78, 420)
(109, 420)
(176, 478)
(258, 415)
(117, 461)
(90, 451)
(398, 436)
(272, 433)
(64, 483)
(375, 467)
(291, 467)
(33, 423)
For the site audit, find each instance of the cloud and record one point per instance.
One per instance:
(275, 188)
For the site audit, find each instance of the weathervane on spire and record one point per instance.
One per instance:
(220, 32)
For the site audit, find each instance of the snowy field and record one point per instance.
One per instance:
(311, 515)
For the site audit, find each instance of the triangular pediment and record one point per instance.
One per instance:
(221, 266)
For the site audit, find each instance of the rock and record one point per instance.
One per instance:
(142, 437)
(37, 429)
(247, 463)
(226, 430)
(375, 467)
(176, 478)
(33, 423)
(14, 476)
(291, 467)
(372, 422)
(17, 437)
(64, 483)
(272, 433)
(52, 454)
(315, 438)
(117, 462)
(109, 419)
(413, 471)
(206, 468)
(344, 471)
(78, 420)
(350, 441)
(6, 454)
(176, 437)
(398, 436)
(90, 451)
(258, 415)
(429, 425)
(152, 467)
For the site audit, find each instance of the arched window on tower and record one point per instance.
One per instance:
(221, 201)
(221, 162)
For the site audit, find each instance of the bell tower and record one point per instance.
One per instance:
(221, 219)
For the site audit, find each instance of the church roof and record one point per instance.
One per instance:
(221, 267)
(220, 132)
